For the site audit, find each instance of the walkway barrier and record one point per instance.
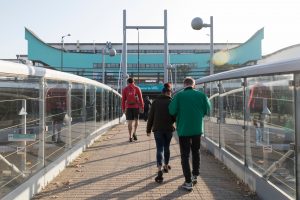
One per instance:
(47, 119)
(254, 125)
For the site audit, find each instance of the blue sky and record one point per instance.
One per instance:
(101, 21)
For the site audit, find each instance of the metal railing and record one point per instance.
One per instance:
(254, 120)
(44, 114)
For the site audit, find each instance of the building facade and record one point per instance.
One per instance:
(144, 60)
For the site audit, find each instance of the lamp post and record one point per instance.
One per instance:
(175, 78)
(138, 66)
(111, 52)
(61, 51)
(198, 24)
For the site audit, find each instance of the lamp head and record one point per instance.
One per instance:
(197, 23)
(112, 52)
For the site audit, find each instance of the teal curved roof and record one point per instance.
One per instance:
(40, 51)
(248, 51)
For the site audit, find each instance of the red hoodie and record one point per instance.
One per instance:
(140, 103)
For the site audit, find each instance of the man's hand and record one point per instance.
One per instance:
(148, 134)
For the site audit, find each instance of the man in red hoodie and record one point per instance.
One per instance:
(132, 104)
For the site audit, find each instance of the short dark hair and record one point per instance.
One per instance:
(130, 80)
(189, 81)
(167, 88)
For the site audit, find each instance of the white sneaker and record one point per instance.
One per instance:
(187, 186)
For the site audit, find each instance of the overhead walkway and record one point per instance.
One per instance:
(113, 168)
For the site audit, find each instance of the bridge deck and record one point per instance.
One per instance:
(113, 168)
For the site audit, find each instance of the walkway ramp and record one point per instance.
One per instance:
(113, 168)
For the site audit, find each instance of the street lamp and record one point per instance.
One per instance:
(138, 65)
(107, 50)
(61, 52)
(197, 24)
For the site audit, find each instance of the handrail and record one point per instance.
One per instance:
(255, 70)
(17, 69)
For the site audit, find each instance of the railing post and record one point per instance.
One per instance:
(95, 107)
(84, 110)
(102, 105)
(221, 119)
(245, 102)
(42, 127)
(69, 113)
(297, 132)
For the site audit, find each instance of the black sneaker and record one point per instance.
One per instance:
(130, 139)
(194, 180)
(159, 178)
(134, 136)
(167, 168)
(187, 186)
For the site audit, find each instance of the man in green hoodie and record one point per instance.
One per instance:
(189, 107)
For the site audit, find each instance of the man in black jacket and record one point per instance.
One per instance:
(147, 104)
(162, 124)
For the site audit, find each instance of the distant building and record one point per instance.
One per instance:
(291, 52)
(190, 59)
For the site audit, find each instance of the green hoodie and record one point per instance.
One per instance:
(189, 107)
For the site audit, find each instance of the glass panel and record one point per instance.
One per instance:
(232, 117)
(99, 107)
(271, 132)
(19, 114)
(211, 122)
(77, 112)
(56, 109)
(90, 109)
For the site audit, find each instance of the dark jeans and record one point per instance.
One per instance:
(186, 145)
(162, 140)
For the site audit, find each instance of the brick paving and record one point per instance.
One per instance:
(113, 168)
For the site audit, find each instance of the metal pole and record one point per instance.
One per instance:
(103, 65)
(24, 132)
(166, 49)
(297, 131)
(211, 67)
(62, 49)
(175, 77)
(69, 113)
(84, 112)
(138, 56)
(42, 124)
(61, 53)
(124, 51)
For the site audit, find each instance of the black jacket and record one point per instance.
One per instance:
(159, 118)
(147, 104)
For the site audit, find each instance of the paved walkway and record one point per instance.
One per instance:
(113, 168)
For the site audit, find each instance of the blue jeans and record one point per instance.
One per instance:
(259, 134)
(162, 140)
